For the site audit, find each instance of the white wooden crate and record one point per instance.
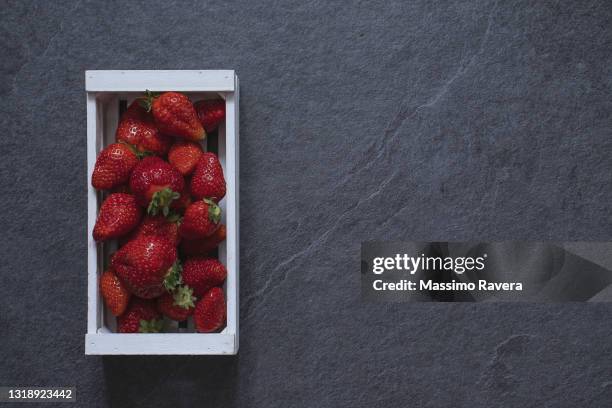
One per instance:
(106, 92)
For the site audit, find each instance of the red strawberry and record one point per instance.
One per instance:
(141, 316)
(209, 314)
(204, 246)
(184, 156)
(137, 111)
(175, 115)
(201, 219)
(115, 295)
(159, 226)
(147, 265)
(156, 183)
(208, 180)
(118, 215)
(211, 113)
(113, 166)
(137, 129)
(178, 305)
(202, 273)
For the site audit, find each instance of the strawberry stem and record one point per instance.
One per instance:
(214, 211)
(150, 326)
(183, 297)
(138, 153)
(174, 217)
(147, 101)
(161, 201)
(173, 277)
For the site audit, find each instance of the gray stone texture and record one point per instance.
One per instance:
(397, 120)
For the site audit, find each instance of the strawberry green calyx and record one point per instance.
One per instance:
(147, 101)
(161, 201)
(174, 217)
(150, 326)
(173, 277)
(183, 297)
(214, 211)
(140, 154)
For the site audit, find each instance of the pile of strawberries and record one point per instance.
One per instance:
(162, 208)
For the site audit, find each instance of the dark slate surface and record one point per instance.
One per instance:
(385, 120)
